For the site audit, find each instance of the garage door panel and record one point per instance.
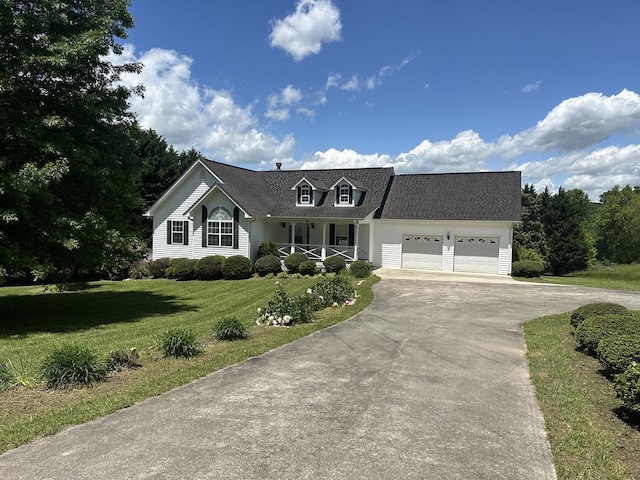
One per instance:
(476, 255)
(422, 252)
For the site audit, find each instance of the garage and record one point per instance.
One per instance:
(422, 252)
(476, 254)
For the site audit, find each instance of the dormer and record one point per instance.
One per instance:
(347, 192)
(309, 192)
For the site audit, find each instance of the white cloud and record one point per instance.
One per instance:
(278, 114)
(351, 85)
(278, 104)
(357, 82)
(307, 112)
(531, 87)
(303, 32)
(290, 95)
(576, 123)
(189, 115)
(346, 158)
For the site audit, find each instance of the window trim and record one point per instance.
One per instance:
(344, 194)
(177, 228)
(219, 228)
(305, 198)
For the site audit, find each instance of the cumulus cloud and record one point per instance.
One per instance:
(531, 87)
(278, 104)
(189, 115)
(576, 123)
(346, 158)
(302, 33)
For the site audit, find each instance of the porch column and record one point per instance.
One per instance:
(355, 243)
(293, 238)
(323, 250)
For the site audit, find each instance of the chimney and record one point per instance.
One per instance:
(278, 165)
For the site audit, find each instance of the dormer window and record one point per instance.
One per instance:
(304, 196)
(344, 194)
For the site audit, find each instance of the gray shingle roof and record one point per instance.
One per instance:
(454, 196)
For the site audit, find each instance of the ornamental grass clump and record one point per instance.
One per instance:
(14, 374)
(71, 364)
(229, 328)
(179, 342)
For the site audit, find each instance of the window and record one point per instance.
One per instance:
(343, 194)
(177, 232)
(342, 234)
(220, 228)
(304, 195)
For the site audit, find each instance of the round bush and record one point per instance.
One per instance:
(628, 387)
(268, 248)
(527, 269)
(360, 269)
(158, 267)
(334, 290)
(72, 364)
(617, 352)
(308, 267)
(601, 308)
(174, 261)
(209, 268)
(236, 267)
(179, 342)
(229, 328)
(183, 269)
(598, 327)
(335, 264)
(268, 264)
(293, 261)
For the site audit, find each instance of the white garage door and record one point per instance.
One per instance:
(475, 254)
(423, 252)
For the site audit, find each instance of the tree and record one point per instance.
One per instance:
(68, 179)
(618, 225)
(530, 232)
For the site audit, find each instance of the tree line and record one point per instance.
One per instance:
(566, 232)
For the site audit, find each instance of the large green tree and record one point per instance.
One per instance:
(618, 225)
(530, 233)
(68, 176)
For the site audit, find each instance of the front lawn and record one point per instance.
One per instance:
(120, 315)
(618, 277)
(589, 436)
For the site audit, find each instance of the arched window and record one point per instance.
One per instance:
(220, 228)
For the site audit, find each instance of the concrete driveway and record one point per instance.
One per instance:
(430, 382)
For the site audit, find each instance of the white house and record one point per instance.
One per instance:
(455, 222)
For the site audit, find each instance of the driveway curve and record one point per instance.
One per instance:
(429, 382)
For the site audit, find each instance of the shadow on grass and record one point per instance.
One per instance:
(630, 418)
(23, 314)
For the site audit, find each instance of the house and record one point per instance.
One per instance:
(456, 222)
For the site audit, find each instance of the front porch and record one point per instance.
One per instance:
(321, 252)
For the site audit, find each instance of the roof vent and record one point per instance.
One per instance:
(278, 165)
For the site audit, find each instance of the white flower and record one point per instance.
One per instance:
(309, 291)
(335, 304)
(259, 311)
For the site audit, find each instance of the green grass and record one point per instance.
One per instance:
(120, 315)
(616, 277)
(587, 437)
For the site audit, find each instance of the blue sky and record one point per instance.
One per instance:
(547, 87)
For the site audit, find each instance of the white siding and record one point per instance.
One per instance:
(193, 186)
(257, 235)
(391, 255)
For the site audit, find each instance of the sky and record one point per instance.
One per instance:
(549, 87)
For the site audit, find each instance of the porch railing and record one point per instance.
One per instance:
(320, 252)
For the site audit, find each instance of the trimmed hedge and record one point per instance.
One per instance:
(236, 267)
(617, 352)
(598, 327)
(209, 268)
(308, 267)
(335, 264)
(600, 308)
(158, 267)
(268, 248)
(527, 269)
(293, 261)
(627, 386)
(182, 269)
(360, 269)
(268, 264)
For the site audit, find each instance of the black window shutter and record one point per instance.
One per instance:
(352, 234)
(186, 233)
(205, 214)
(332, 234)
(299, 194)
(350, 195)
(338, 194)
(236, 225)
(169, 232)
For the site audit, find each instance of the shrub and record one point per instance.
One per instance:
(335, 264)
(158, 268)
(178, 342)
(598, 327)
(184, 269)
(123, 359)
(229, 328)
(268, 248)
(360, 269)
(236, 267)
(293, 261)
(140, 270)
(284, 310)
(209, 268)
(282, 274)
(72, 364)
(14, 375)
(308, 267)
(527, 268)
(627, 386)
(172, 264)
(617, 352)
(601, 308)
(524, 254)
(334, 290)
(268, 264)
